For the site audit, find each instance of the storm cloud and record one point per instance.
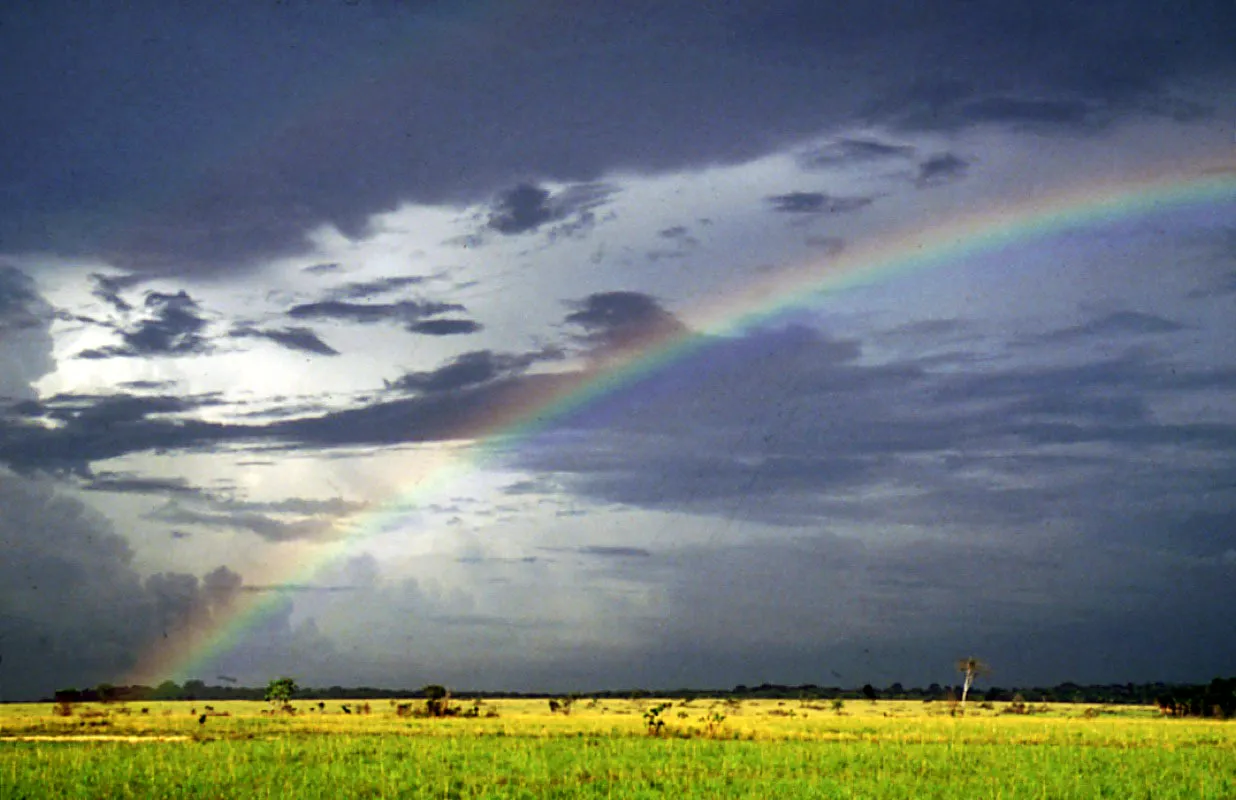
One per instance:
(767, 70)
(645, 345)
(25, 336)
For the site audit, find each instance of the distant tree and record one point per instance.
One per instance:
(168, 690)
(65, 698)
(869, 692)
(970, 668)
(561, 705)
(437, 700)
(652, 718)
(280, 690)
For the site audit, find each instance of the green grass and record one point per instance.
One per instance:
(881, 750)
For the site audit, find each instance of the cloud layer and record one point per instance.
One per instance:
(448, 332)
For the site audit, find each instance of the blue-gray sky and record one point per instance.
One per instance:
(264, 267)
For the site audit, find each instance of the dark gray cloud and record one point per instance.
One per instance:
(782, 413)
(613, 551)
(115, 409)
(454, 398)
(75, 611)
(18, 299)
(522, 209)
(844, 152)
(780, 424)
(526, 208)
(1223, 256)
(25, 335)
(680, 235)
(108, 288)
(405, 311)
(941, 169)
(445, 327)
(301, 339)
(828, 245)
(457, 397)
(173, 326)
(1018, 110)
(270, 123)
(97, 427)
(618, 321)
(983, 54)
(817, 203)
(331, 506)
(358, 290)
(531, 486)
(297, 588)
(900, 611)
(134, 484)
(928, 328)
(1225, 285)
(271, 527)
(1043, 487)
(468, 370)
(144, 386)
(1116, 324)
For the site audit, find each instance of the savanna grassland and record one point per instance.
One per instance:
(612, 748)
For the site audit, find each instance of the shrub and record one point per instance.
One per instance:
(437, 702)
(1017, 706)
(279, 692)
(561, 705)
(652, 718)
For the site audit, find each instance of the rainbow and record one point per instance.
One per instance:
(535, 404)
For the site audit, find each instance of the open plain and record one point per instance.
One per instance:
(612, 748)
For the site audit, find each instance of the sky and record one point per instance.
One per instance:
(553, 347)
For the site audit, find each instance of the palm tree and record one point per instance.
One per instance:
(971, 668)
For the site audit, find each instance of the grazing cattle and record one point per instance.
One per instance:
(201, 720)
(346, 710)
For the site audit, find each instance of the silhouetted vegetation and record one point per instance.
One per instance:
(1174, 699)
(437, 702)
(1216, 700)
(652, 718)
(562, 705)
(970, 668)
(279, 692)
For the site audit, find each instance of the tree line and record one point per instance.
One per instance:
(1218, 698)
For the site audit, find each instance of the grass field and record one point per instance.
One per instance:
(603, 749)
